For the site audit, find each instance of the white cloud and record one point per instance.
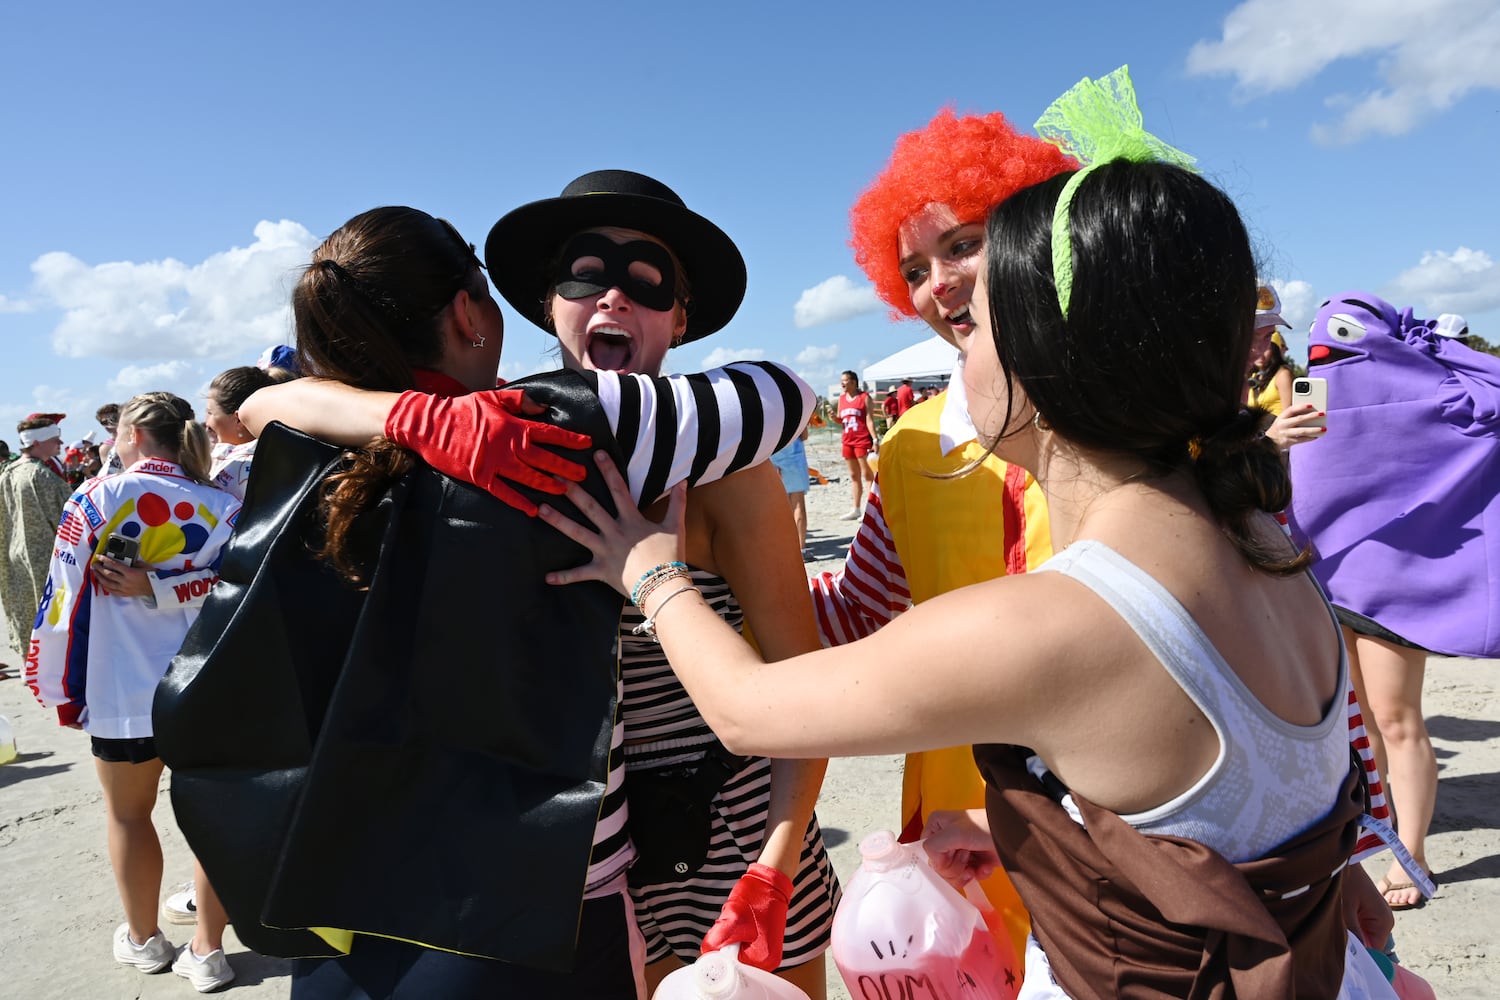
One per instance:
(1428, 55)
(818, 363)
(234, 302)
(720, 356)
(813, 355)
(8, 305)
(50, 399)
(134, 379)
(1464, 281)
(833, 300)
(1299, 303)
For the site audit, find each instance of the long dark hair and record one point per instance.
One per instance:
(368, 311)
(1261, 377)
(1150, 360)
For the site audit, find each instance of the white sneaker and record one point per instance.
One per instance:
(153, 956)
(207, 973)
(182, 906)
(853, 515)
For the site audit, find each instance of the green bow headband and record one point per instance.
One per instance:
(1095, 122)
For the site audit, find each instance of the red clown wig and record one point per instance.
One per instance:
(969, 164)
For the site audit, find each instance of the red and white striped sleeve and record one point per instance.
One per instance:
(1369, 844)
(869, 590)
(1359, 738)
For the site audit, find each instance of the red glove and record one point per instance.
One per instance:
(482, 438)
(754, 915)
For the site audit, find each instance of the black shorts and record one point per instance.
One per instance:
(137, 751)
(1360, 625)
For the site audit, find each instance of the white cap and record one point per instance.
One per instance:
(1451, 325)
(1268, 308)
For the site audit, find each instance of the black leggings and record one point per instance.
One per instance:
(382, 969)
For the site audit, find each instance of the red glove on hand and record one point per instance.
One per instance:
(754, 915)
(483, 438)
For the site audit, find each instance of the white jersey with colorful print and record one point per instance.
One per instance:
(95, 656)
(231, 467)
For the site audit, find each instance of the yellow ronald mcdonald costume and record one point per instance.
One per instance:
(923, 536)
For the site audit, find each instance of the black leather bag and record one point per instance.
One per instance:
(425, 760)
(671, 814)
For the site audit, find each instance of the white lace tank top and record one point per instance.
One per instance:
(1271, 779)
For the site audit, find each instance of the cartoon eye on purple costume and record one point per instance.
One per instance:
(1401, 498)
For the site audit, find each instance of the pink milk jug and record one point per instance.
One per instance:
(1410, 986)
(720, 976)
(902, 933)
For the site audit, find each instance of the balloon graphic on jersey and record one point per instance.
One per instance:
(163, 530)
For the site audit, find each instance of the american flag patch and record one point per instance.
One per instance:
(91, 512)
(71, 528)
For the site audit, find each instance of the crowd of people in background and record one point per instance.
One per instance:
(1106, 487)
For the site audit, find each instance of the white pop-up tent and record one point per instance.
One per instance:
(932, 358)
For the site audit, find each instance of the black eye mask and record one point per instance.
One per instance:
(616, 258)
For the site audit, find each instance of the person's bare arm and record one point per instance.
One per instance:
(864, 697)
(1282, 380)
(332, 411)
(755, 546)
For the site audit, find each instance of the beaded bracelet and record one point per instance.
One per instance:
(655, 575)
(662, 577)
(656, 583)
(654, 578)
(648, 627)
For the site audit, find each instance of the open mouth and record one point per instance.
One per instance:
(611, 350)
(1322, 354)
(960, 318)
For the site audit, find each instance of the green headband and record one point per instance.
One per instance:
(1095, 122)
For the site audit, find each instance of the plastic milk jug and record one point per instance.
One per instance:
(1410, 986)
(720, 976)
(902, 933)
(7, 741)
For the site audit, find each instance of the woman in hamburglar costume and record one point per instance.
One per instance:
(421, 779)
(620, 270)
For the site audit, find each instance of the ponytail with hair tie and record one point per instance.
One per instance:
(1241, 473)
(380, 300)
(1240, 430)
(170, 421)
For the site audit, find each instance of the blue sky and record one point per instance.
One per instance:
(168, 165)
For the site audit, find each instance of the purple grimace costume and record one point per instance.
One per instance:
(1401, 498)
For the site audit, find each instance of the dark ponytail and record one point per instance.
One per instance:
(369, 310)
(1240, 472)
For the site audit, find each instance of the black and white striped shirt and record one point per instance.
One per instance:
(695, 428)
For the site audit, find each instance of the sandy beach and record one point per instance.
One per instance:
(58, 905)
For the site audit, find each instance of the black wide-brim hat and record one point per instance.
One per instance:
(522, 247)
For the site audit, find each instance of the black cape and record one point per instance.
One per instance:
(425, 760)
